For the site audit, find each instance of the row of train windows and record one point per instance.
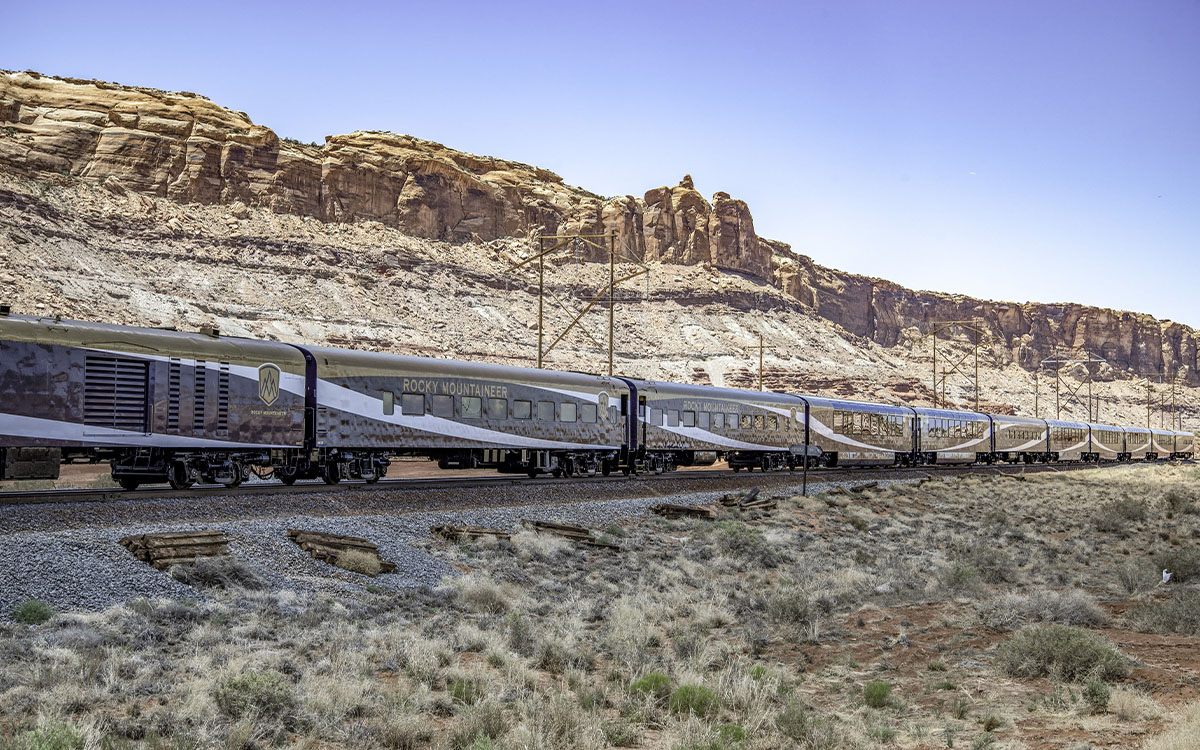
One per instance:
(1069, 433)
(954, 428)
(858, 423)
(471, 407)
(717, 420)
(1022, 433)
(1108, 437)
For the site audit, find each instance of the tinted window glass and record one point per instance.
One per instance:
(546, 411)
(758, 421)
(497, 408)
(587, 413)
(412, 403)
(389, 402)
(773, 422)
(568, 412)
(718, 420)
(441, 406)
(522, 409)
(471, 407)
(656, 417)
(672, 418)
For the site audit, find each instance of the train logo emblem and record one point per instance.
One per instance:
(268, 384)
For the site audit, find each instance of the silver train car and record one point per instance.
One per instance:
(954, 437)
(857, 433)
(1019, 439)
(1069, 441)
(1107, 443)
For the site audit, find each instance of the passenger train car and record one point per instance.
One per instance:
(180, 408)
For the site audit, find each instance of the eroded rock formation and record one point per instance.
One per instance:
(185, 147)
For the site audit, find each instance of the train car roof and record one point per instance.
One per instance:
(153, 340)
(1101, 426)
(1131, 428)
(868, 406)
(1017, 419)
(949, 413)
(1065, 423)
(454, 367)
(712, 391)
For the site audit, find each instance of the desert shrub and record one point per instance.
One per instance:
(1115, 515)
(984, 741)
(51, 735)
(621, 734)
(693, 699)
(1132, 705)
(254, 694)
(1135, 577)
(790, 608)
(481, 594)
(744, 542)
(32, 612)
(994, 565)
(1062, 651)
(405, 732)
(876, 693)
(1011, 611)
(1178, 501)
(479, 726)
(222, 572)
(533, 545)
(961, 577)
(805, 729)
(1096, 693)
(656, 684)
(359, 561)
(1183, 564)
(520, 634)
(463, 690)
(1177, 614)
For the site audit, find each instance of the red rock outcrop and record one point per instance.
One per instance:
(185, 147)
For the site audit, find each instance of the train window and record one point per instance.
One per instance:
(389, 402)
(587, 413)
(837, 421)
(672, 417)
(522, 409)
(568, 411)
(624, 404)
(441, 405)
(772, 422)
(702, 419)
(731, 420)
(471, 407)
(545, 411)
(747, 421)
(642, 410)
(718, 420)
(412, 404)
(689, 419)
(497, 408)
(656, 417)
(758, 421)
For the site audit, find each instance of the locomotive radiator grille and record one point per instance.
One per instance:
(115, 393)
(174, 376)
(198, 398)
(223, 400)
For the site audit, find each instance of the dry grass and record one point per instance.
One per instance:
(1183, 735)
(359, 561)
(754, 633)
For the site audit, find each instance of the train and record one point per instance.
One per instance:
(164, 406)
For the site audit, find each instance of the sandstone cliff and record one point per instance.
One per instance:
(184, 147)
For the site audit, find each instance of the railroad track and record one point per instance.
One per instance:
(683, 476)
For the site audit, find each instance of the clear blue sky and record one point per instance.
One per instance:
(1019, 150)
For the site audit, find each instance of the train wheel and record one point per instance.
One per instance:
(179, 476)
(331, 474)
(736, 469)
(237, 476)
(128, 483)
(557, 473)
(606, 469)
(533, 473)
(287, 476)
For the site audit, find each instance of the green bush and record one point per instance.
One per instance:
(463, 690)
(1061, 651)
(52, 735)
(1096, 693)
(693, 699)
(876, 693)
(806, 729)
(656, 684)
(621, 734)
(32, 612)
(254, 694)
(1183, 564)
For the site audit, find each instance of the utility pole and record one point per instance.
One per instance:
(762, 347)
(1058, 361)
(974, 326)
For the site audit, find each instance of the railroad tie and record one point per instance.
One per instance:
(577, 534)
(327, 548)
(472, 532)
(175, 547)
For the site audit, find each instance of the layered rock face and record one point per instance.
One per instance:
(185, 147)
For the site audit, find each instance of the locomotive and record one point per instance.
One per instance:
(168, 406)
